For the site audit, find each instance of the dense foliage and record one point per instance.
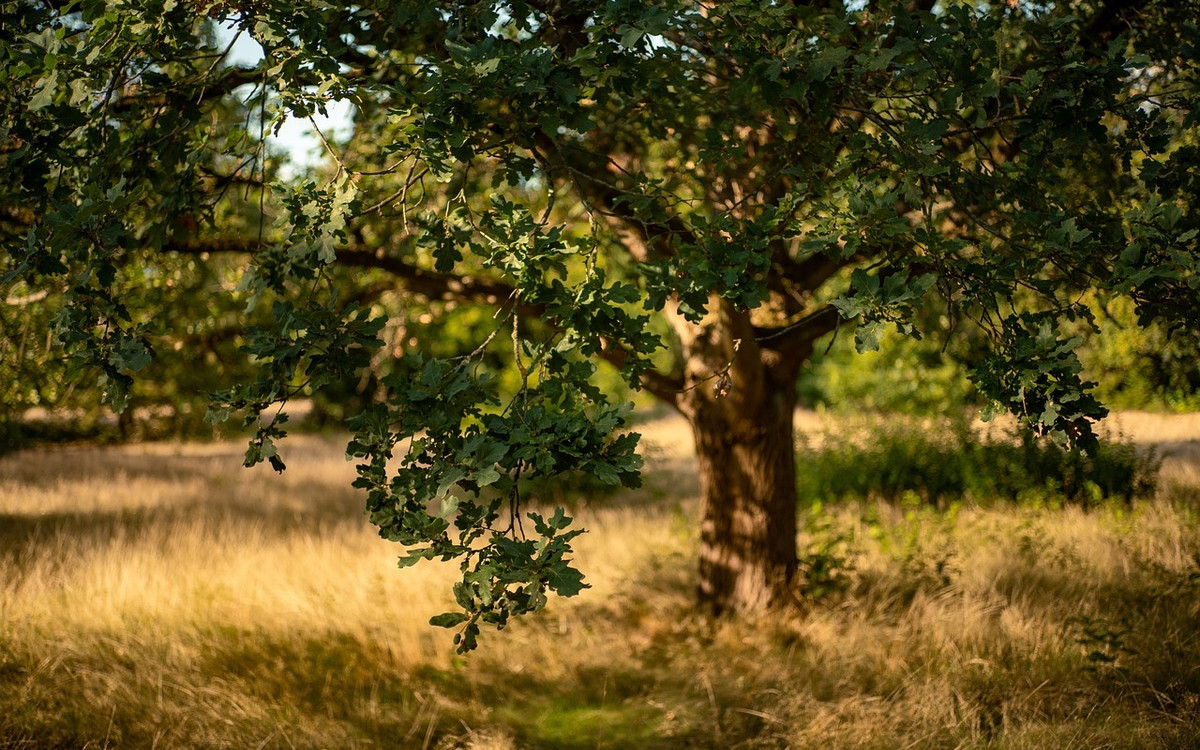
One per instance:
(759, 173)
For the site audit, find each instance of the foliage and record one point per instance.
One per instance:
(1140, 368)
(943, 462)
(826, 566)
(904, 376)
(194, 327)
(757, 173)
(1134, 367)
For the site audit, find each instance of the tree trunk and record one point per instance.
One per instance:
(740, 401)
(748, 490)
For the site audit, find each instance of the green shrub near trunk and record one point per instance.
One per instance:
(947, 461)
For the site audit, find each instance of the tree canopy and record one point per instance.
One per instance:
(694, 193)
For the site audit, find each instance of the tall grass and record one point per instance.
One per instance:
(154, 596)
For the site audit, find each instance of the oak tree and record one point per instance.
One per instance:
(694, 193)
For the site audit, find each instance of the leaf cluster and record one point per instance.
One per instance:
(440, 472)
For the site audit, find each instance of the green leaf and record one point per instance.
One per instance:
(565, 580)
(411, 559)
(448, 620)
(46, 92)
(486, 476)
(630, 36)
(867, 335)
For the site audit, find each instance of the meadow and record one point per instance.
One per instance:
(159, 596)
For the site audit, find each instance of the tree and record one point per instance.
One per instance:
(756, 174)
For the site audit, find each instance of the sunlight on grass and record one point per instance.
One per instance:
(159, 596)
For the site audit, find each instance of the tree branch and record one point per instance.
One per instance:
(810, 274)
(593, 179)
(438, 286)
(664, 387)
(443, 286)
(448, 286)
(186, 92)
(797, 340)
(17, 216)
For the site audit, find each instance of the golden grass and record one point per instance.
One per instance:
(160, 596)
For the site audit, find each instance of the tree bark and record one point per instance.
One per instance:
(740, 400)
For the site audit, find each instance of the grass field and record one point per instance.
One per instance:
(158, 596)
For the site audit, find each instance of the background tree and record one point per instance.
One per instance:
(757, 173)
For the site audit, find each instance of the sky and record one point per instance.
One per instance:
(296, 138)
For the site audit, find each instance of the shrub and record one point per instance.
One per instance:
(951, 461)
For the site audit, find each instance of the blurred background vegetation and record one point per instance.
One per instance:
(1133, 367)
(197, 350)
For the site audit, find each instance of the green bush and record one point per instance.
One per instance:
(947, 462)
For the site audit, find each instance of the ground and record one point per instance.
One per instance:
(159, 596)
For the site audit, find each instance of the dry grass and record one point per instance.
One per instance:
(159, 596)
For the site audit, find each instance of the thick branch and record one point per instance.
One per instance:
(797, 340)
(447, 286)
(17, 215)
(438, 286)
(27, 299)
(810, 274)
(194, 92)
(429, 284)
(664, 387)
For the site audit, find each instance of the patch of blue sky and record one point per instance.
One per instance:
(295, 139)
